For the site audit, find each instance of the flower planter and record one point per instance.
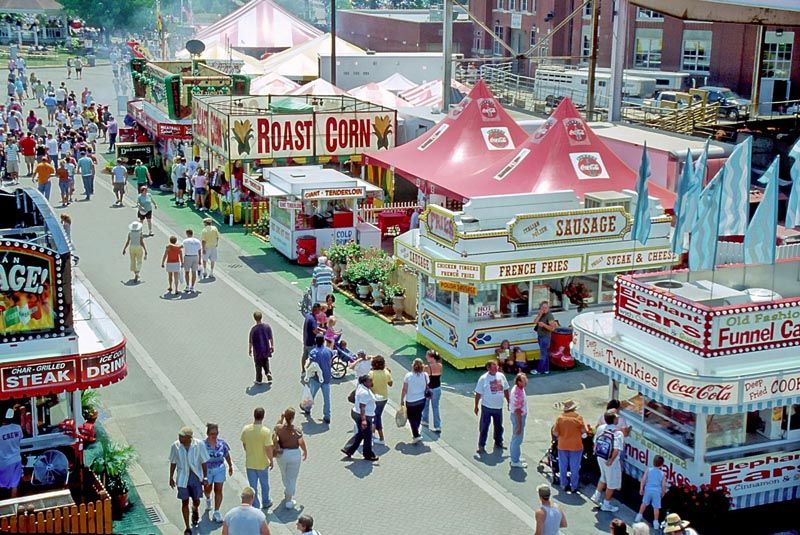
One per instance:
(399, 306)
(363, 290)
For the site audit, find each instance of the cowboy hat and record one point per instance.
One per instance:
(569, 406)
(674, 523)
(135, 226)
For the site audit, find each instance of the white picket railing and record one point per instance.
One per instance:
(733, 253)
(370, 213)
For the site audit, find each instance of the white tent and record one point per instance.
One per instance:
(397, 83)
(767, 12)
(301, 62)
(375, 94)
(318, 87)
(272, 84)
(430, 93)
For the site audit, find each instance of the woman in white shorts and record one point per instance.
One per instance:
(218, 454)
(173, 260)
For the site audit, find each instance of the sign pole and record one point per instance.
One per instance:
(447, 52)
(333, 42)
(592, 61)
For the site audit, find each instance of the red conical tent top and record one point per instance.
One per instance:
(474, 137)
(563, 154)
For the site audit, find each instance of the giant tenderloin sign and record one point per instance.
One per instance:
(574, 226)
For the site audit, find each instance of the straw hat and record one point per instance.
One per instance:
(135, 226)
(674, 523)
(569, 406)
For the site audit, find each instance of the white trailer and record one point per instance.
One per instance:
(551, 82)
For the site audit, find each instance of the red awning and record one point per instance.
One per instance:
(158, 124)
(475, 135)
(563, 154)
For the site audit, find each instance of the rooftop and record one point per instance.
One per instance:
(413, 15)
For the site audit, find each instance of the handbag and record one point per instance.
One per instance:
(351, 397)
(401, 418)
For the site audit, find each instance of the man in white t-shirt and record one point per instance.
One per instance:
(12, 160)
(610, 468)
(245, 519)
(10, 459)
(119, 177)
(52, 149)
(491, 390)
(192, 255)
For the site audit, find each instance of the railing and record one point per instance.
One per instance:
(254, 215)
(682, 120)
(733, 253)
(369, 213)
(94, 517)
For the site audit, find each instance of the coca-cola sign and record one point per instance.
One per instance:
(723, 393)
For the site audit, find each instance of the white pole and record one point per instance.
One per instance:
(618, 41)
(447, 49)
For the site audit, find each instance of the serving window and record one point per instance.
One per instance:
(484, 304)
(676, 425)
(41, 415)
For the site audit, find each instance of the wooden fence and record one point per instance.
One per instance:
(733, 253)
(370, 213)
(93, 517)
(252, 214)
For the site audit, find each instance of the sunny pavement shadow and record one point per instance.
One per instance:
(360, 468)
(411, 449)
(256, 389)
(313, 427)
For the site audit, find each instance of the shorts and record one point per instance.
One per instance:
(10, 475)
(611, 475)
(146, 215)
(182, 184)
(64, 187)
(30, 159)
(91, 137)
(652, 497)
(193, 489)
(12, 166)
(199, 191)
(190, 262)
(173, 267)
(217, 474)
(210, 254)
(119, 187)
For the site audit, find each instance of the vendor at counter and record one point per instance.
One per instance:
(10, 458)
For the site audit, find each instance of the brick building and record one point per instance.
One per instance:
(713, 53)
(406, 30)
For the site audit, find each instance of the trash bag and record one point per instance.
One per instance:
(400, 418)
(306, 400)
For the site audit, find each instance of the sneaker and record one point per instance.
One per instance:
(217, 516)
(596, 497)
(520, 464)
(638, 517)
(416, 440)
(436, 429)
(656, 525)
(289, 504)
(267, 505)
(208, 504)
(534, 372)
(269, 377)
(609, 508)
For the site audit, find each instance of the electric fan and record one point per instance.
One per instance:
(51, 468)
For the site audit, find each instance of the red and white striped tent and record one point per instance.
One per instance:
(375, 94)
(260, 24)
(319, 88)
(272, 84)
(397, 83)
(430, 94)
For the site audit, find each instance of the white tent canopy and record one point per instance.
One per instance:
(768, 12)
(301, 62)
(272, 84)
(220, 52)
(318, 87)
(397, 83)
(375, 94)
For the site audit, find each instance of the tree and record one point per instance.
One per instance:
(112, 14)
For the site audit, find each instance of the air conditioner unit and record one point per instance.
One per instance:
(604, 199)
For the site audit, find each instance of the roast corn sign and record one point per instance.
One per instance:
(574, 226)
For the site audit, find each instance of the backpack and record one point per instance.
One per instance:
(604, 445)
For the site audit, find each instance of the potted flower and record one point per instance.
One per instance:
(90, 402)
(111, 466)
(398, 301)
(358, 273)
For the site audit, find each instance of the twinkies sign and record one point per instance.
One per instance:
(622, 362)
(660, 316)
(702, 392)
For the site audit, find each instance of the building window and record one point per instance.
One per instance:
(696, 50)
(477, 44)
(587, 10)
(523, 5)
(498, 31)
(512, 5)
(647, 53)
(586, 43)
(533, 35)
(499, 4)
(648, 14)
(777, 55)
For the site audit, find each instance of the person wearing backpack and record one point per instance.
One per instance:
(608, 444)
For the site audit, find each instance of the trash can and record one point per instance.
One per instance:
(307, 250)
(91, 60)
(560, 355)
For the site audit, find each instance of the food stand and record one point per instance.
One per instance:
(55, 340)
(483, 271)
(312, 208)
(258, 131)
(705, 364)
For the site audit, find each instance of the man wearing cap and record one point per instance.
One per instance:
(245, 519)
(321, 280)
(569, 429)
(550, 518)
(10, 459)
(187, 459)
(674, 524)
(209, 237)
(611, 468)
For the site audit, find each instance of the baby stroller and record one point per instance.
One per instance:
(550, 458)
(304, 306)
(342, 357)
(590, 472)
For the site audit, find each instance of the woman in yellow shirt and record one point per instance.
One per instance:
(381, 381)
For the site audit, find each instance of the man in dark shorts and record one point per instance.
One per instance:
(310, 331)
(10, 459)
(261, 346)
(181, 182)
(145, 205)
(188, 472)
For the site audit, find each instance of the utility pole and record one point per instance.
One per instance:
(333, 42)
(619, 39)
(757, 63)
(592, 60)
(447, 52)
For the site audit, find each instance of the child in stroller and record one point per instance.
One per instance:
(342, 357)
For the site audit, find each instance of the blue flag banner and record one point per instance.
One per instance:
(705, 231)
(641, 222)
(759, 240)
(793, 211)
(736, 190)
(701, 164)
(689, 189)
